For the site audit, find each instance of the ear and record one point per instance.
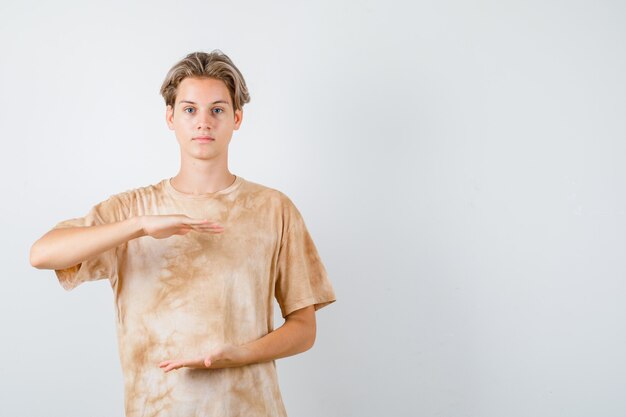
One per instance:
(238, 118)
(169, 117)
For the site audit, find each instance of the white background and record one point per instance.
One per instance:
(458, 164)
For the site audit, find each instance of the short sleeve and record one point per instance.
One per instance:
(101, 266)
(302, 279)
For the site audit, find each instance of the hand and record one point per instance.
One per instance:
(165, 225)
(224, 356)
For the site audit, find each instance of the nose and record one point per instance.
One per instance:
(204, 121)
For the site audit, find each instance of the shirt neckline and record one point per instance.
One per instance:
(174, 192)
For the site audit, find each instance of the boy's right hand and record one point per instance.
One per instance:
(161, 226)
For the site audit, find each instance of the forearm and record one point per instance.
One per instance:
(293, 337)
(65, 247)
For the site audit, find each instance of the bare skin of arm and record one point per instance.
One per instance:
(66, 247)
(295, 336)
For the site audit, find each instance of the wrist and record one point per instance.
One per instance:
(242, 355)
(136, 226)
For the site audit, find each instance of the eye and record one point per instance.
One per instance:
(187, 108)
(220, 109)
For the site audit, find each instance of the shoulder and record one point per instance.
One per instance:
(275, 197)
(125, 202)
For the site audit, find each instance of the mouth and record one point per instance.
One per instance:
(204, 139)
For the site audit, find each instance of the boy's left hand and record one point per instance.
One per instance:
(224, 356)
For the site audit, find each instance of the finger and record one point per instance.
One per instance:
(214, 225)
(199, 222)
(205, 228)
(169, 362)
(195, 221)
(172, 366)
(208, 229)
(213, 231)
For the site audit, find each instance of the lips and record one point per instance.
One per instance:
(204, 138)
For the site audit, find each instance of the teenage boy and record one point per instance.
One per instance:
(195, 262)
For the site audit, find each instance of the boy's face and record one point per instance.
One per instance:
(203, 108)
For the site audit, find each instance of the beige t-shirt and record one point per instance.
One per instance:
(178, 297)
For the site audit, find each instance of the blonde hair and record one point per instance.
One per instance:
(215, 64)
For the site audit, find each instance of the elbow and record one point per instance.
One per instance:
(310, 339)
(302, 321)
(309, 345)
(34, 256)
(37, 257)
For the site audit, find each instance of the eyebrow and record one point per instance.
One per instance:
(215, 102)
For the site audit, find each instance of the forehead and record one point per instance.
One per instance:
(202, 90)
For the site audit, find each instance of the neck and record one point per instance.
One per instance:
(202, 179)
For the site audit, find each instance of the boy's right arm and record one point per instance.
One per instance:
(64, 247)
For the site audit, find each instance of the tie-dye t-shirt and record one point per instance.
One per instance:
(178, 297)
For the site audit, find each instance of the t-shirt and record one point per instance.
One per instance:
(178, 297)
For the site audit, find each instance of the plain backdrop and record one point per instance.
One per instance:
(458, 164)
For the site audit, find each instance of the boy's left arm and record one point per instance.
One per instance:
(295, 336)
